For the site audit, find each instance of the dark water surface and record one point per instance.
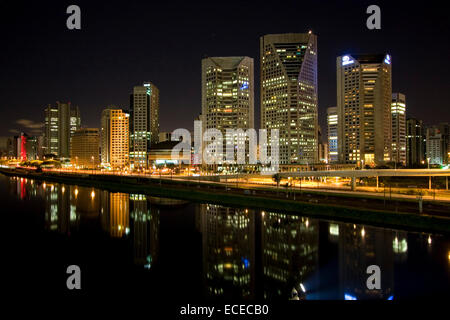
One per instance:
(129, 244)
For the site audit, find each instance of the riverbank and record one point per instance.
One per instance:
(395, 213)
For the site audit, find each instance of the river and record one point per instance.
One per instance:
(168, 249)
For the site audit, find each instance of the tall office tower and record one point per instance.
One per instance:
(115, 137)
(415, 137)
(398, 115)
(289, 94)
(61, 121)
(332, 125)
(85, 147)
(227, 96)
(144, 126)
(364, 97)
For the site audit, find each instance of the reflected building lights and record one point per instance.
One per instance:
(289, 247)
(228, 236)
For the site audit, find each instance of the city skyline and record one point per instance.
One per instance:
(181, 98)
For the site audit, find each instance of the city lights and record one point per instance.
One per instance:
(188, 152)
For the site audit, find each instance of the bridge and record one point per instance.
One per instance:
(352, 174)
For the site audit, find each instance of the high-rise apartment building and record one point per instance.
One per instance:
(415, 142)
(60, 123)
(85, 148)
(115, 136)
(227, 96)
(289, 94)
(144, 124)
(332, 132)
(364, 97)
(398, 115)
(437, 144)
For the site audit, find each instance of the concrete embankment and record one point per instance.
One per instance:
(346, 209)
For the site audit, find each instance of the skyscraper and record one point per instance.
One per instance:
(60, 122)
(227, 95)
(85, 147)
(144, 127)
(398, 114)
(364, 97)
(415, 142)
(332, 125)
(115, 134)
(289, 94)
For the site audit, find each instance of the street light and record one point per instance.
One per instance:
(429, 178)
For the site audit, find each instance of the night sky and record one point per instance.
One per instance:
(123, 43)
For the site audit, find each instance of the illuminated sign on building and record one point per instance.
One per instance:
(387, 60)
(346, 60)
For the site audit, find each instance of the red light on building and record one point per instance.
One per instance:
(23, 148)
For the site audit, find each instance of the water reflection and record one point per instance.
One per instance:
(251, 254)
(289, 248)
(228, 237)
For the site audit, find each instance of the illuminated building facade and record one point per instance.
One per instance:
(398, 115)
(60, 122)
(437, 143)
(332, 125)
(85, 148)
(20, 146)
(115, 138)
(289, 94)
(228, 96)
(144, 125)
(364, 97)
(415, 142)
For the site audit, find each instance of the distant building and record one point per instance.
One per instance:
(60, 123)
(85, 147)
(415, 142)
(332, 132)
(115, 133)
(289, 94)
(437, 144)
(398, 115)
(144, 124)
(167, 136)
(161, 154)
(364, 97)
(4, 146)
(322, 147)
(20, 146)
(33, 146)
